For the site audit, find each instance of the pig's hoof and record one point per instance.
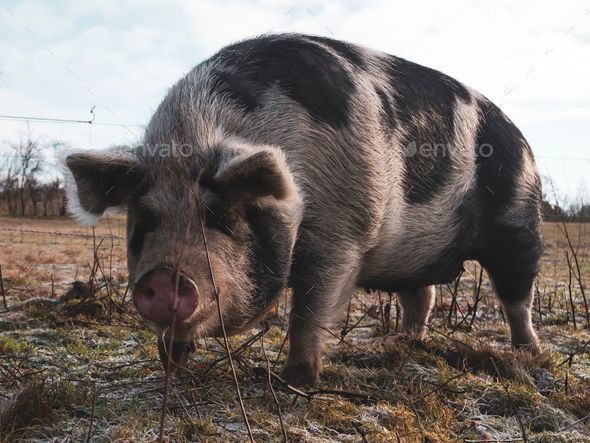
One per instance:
(301, 374)
(532, 348)
(526, 341)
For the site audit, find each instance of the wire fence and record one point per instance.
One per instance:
(31, 119)
(69, 132)
(63, 234)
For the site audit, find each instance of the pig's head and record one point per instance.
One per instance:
(251, 209)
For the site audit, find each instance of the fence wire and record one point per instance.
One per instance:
(62, 234)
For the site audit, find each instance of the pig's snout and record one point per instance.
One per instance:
(157, 299)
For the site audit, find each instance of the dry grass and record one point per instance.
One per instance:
(77, 362)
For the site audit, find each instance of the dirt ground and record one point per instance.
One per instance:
(76, 364)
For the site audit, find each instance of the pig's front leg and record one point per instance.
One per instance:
(318, 305)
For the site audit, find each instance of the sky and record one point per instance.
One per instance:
(59, 59)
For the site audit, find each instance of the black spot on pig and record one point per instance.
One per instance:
(497, 173)
(239, 88)
(387, 111)
(303, 70)
(343, 49)
(424, 104)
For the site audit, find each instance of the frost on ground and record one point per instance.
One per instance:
(77, 364)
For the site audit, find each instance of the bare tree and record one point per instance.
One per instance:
(8, 183)
(51, 198)
(20, 179)
(581, 207)
(27, 185)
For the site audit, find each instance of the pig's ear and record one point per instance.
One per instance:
(258, 174)
(95, 181)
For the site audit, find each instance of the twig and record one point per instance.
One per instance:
(92, 413)
(344, 394)
(453, 307)
(522, 429)
(292, 389)
(345, 331)
(240, 349)
(361, 432)
(397, 314)
(168, 351)
(504, 440)
(329, 331)
(569, 288)
(477, 294)
(194, 400)
(577, 422)
(281, 349)
(579, 349)
(578, 274)
(222, 324)
(272, 390)
(387, 313)
(538, 296)
(188, 416)
(345, 327)
(2, 289)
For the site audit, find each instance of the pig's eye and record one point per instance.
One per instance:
(146, 222)
(217, 219)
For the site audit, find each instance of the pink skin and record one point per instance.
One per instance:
(154, 297)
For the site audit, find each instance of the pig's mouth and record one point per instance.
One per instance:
(175, 345)
(177, 342)
(173, 307)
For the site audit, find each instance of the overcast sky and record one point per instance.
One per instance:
(60, 58)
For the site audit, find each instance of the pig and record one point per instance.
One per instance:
(319, 166)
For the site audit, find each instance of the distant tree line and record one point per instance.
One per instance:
(573, 213)
(577, 210)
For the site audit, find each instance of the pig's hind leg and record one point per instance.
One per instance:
(512, 258)
(416, 306)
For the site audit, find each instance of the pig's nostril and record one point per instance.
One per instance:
(185, 290)
(149, 293)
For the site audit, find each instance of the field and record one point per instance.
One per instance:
(76, 364)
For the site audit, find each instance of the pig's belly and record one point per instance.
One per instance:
(411, 258)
